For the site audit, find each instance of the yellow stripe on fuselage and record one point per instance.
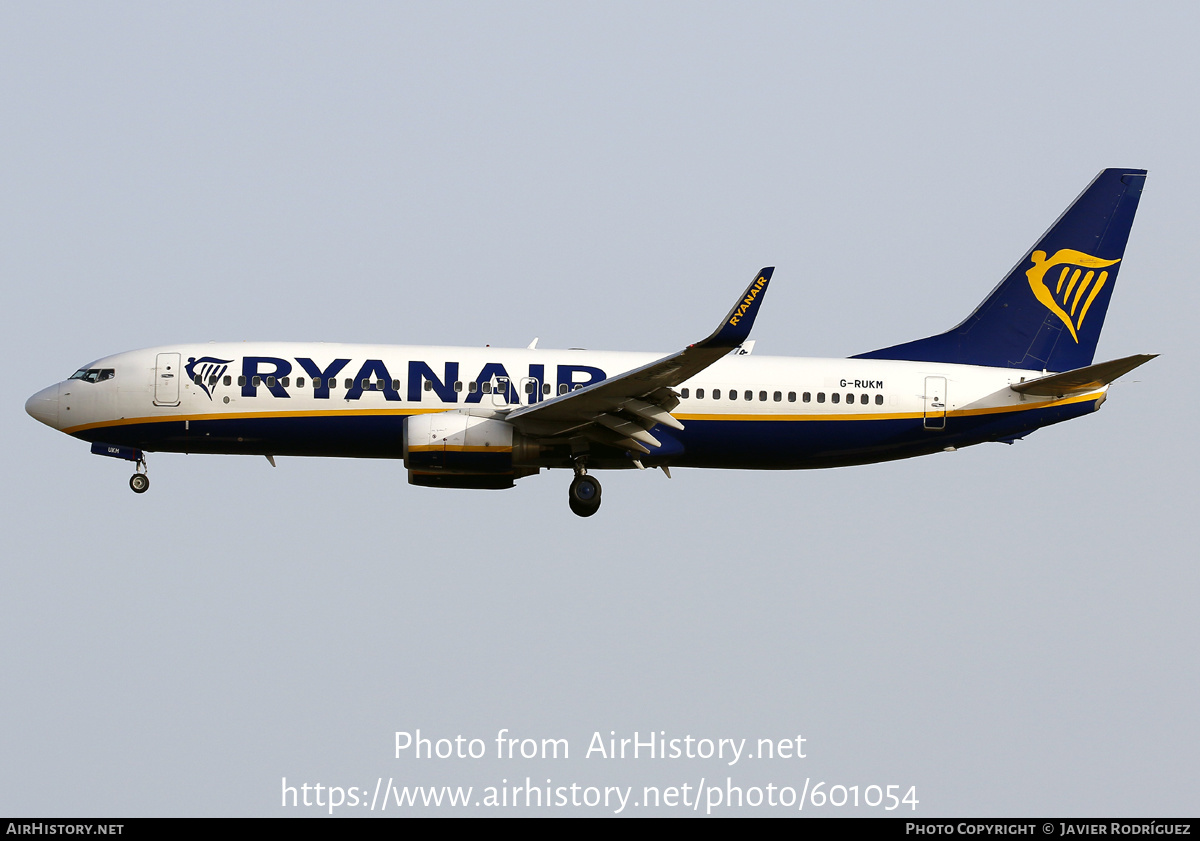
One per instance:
(454, 448)
(325, 413)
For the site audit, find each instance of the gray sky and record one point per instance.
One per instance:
(1010, 629)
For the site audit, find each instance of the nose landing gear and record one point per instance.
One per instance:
(584, 493)
(140, 481)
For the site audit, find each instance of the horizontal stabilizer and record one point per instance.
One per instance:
(1082, 380)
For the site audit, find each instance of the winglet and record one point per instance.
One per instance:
(735, 329)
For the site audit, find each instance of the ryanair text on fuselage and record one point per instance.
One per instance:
(269, 373)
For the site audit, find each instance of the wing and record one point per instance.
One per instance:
(621, 410)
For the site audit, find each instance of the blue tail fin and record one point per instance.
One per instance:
(1047, 313)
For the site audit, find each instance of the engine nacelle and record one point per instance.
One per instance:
(459, 450)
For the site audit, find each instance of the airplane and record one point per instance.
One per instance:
(463, 417)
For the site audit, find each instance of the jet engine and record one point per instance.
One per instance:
(460, 450)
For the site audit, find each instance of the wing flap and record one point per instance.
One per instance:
(629, 429)
(652, 413)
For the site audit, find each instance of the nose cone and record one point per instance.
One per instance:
(43, 406)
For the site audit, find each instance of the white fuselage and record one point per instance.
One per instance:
(351, 400)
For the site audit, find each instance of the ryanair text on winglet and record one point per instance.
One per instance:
(748, 301)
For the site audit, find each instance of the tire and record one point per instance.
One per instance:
(140, 483)
(584, 496)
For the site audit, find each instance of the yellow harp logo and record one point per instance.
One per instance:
(1077, 279)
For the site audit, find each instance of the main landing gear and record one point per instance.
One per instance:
(140, 481)
(584, 493)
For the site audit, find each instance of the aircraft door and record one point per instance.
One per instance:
(935, 403)
(529, 390)
(500, 391)
(166, 379)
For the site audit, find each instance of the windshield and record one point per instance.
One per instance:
(94, 375)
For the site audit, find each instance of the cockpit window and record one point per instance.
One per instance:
(94, 375)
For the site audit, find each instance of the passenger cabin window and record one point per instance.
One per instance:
(808, 397)
(285, 381)
(270, 382)
(228, 379)
(683, 392)
(472, 387)
(878, 399)
(545, 388)
(529, 387)
(487, 387)
(762, 397)
(779, 397)
(428, 385)
(316, 382)
(349, 383)
(835, 397)
(395, 385)
(716, 394)
(820, 397)
(699, 394)
(749, 395)
(242, 380)
(257, 381)
(299, 382)
(732, 394)
(458, 385)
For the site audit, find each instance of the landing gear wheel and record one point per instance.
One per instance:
(584, 495)
(140, 483)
